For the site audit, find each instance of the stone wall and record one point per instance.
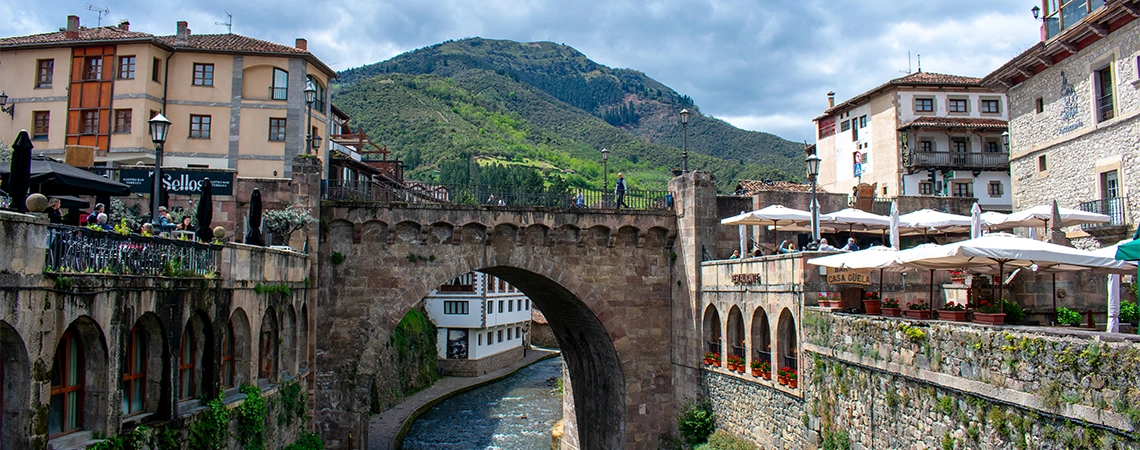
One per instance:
(476, 367)
(754, 410)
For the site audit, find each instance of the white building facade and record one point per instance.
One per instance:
(482, 323)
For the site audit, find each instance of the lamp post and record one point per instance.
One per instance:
(159, 125)
(1005, 140)
(813, 171)
(605, 170)
(685, 143)
(310, 97)
(5, 107)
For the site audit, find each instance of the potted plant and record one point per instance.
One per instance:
(733, 362)
(716, 359)
(919, 310)
(958, 276)
(830, 300)
(792, 378)
(782, 375)
(709, 357)
(872, 303)
(765, 370)
(953, 311)
(740, 366)
(989, 313)
(890, 308)
(677, 171)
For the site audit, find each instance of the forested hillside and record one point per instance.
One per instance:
(545, 106)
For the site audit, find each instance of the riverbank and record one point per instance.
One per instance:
(386, 430)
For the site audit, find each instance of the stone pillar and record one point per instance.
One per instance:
(306, 186)
(696, 233)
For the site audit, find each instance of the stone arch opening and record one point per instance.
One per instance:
(236, 345)
(146, 368)
(79, 380)
(267, 350)
(303, 339)
(761, 337)
(711, 330)
(786, 340)
(15, 374)
(735, 333)
(195, 353)
(288, 341)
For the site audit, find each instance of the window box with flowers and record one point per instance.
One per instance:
(989, 313)
(782, 375)
(890, 308)
(714, 358)
(958, 276)
(735, 363)
(918, 310)
(793, 378)
(762, 369)
(830, 300)
(872, 303)
(953, 311)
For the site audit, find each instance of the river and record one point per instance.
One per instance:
(514, 413)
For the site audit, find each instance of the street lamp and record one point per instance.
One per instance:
(159, 125)
(310, 97)
(10, 109)
(685, 142)
(605, 169)
(1036, 11)
(813, 171)
(1005, 140)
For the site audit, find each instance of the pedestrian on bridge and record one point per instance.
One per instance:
(619, 191)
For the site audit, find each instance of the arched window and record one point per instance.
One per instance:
(319, 103)
(134, 372)
(187, 353)
(237, 367)
(712, 330)
(761, 337)
(786, 340)
(68, 376)
(15, 379)
(267, 347)
(288, 341)
(228, 368)
(303, 338)
(736, 333)
(280, 88)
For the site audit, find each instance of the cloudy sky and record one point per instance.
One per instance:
(760, 65)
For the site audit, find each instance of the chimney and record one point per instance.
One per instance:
(830, 99)
(183, 36)
(72, 31)
(125, 25)
(302, 44)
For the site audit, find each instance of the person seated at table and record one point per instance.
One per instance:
(787, 247)
(94, 216)
(812, 246)
(102, 221)
(851, 246)
(826, 247)
(735, 254)
(164, 224)
(185, 225)
(757, 251)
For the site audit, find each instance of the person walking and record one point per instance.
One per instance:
(54, 216)
(619, 191)
(580, 200)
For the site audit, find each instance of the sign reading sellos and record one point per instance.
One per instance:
(178, 181)
(848, 276)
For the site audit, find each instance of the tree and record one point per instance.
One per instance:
(284, 222)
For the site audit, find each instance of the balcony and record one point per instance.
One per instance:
(1115, 208)
(959, 160)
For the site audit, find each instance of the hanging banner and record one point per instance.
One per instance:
(849, 276)
(178, 181)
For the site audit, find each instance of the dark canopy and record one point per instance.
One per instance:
(206, 212)
(253, 230)
(21, 160)
(54, 178)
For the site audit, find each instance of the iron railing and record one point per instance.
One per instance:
(738, 350)
(764, 356)
(960, 160)
(418, 192)
(714, 347)
(1115, 208)
(81, 249)
(1104, 110)
(791, 361)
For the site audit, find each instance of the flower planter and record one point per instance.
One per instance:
(766, 375)
(989, 319)
(958, 280)
(708, 361)
(829, 303)
(920, 314)
(716, 363)
(731, 367)
(740, 368)
(873, 307)
(782, 380)
(956, 316)
(756, 373)
(792, 383)
(892, 312)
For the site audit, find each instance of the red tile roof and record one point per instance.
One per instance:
(750, 187)
(956, 122)
(931, 78)
(85, 34)
(230, 43)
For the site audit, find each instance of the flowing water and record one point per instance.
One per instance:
(514, 413)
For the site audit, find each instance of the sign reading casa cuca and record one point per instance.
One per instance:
(745, 278)
(849, 276)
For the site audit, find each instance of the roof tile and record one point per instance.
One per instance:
(230, 42)
(110, 33)
(750, 187)
(956, 122)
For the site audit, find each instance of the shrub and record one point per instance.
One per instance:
(722, 440)
(696, 422)
(308, 441)
(209, 431)
(1129, 313)
(1013, 312)
(838, 440)
(1066, 316)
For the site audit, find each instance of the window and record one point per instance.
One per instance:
(995, 189)
(490, 307)
(68, 375)
(480, 339)
(276, 129)
(926, 188)
(926, 146)
(122, 121)
(993, 147)
(528, 304)
(134, 373)
(845, 125)
(991, 107)
(958, 105)
(854, 131)
(186, 354)
(1104, 106)
(267, 346)
(1040, 105)
(1109, 185)
(45, 70)
(41, 121)
(500, 334)
(455, 307)
(319, 103)
(517, 333)
(1041, 165)
(228, 355)
(126, 67)
(964, 189)
(863, 121)
(924, 105)
(93, 68)
(280, 88)
(500, 306)
(154, 70)
(203, 74)
(510, 306)
(152, 114)
(199, 126)
(508, 334)
(89, 122)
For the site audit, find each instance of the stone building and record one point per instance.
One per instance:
(235, 102)
(924, 134)
(1073, 111)
(482, 322)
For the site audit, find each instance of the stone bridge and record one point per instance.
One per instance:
(603, 279)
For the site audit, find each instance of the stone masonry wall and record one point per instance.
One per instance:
(768, 417)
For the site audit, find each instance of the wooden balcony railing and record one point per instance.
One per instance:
(959, 160)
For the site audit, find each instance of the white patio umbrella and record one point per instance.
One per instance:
(975, 221)
(774, 215)
(928, 220)
(991, 219)
(895, 225)
(1039, 216)
(876, 257)
(856, 218)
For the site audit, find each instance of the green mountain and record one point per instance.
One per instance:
(548, 107)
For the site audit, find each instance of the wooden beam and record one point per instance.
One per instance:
(1068, 46)
(1045, 61)
(1097, 28)
(1028, 72)
(1132, 9)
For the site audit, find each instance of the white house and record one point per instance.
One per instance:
(482, 323)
